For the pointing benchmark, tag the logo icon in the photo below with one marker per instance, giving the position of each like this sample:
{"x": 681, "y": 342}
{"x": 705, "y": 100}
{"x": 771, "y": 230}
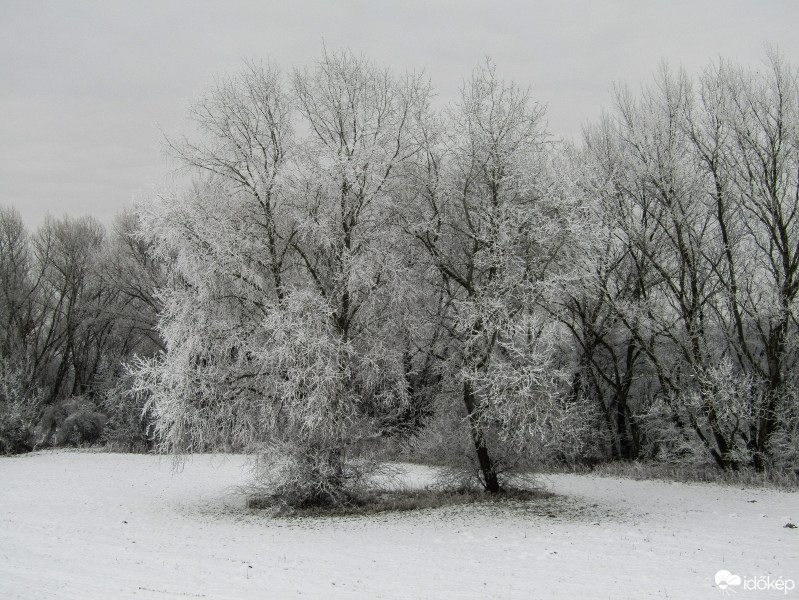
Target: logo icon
{"x": 725, "y": 579}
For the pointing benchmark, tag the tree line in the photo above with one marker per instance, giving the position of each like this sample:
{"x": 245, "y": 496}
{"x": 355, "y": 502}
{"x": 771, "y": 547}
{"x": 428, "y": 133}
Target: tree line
{"x": 354, "y": 265}
{"x": 76, "y": 304}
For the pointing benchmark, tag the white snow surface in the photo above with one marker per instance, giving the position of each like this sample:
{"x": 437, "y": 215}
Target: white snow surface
{"x": 89, "y": 525}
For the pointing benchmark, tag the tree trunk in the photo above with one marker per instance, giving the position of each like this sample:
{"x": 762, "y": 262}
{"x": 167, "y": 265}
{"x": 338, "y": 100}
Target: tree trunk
{"x": 775, "y": 351}
{"x": 490, "y": 479}
{"x": 624, "y": 447}
{"x": 625, "y": 427}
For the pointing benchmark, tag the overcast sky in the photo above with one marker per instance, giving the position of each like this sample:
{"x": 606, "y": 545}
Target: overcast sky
{"x": 86, "y": 87}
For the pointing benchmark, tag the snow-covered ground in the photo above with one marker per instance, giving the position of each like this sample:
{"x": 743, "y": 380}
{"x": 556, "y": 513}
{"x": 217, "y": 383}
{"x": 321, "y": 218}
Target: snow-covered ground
{"x": 89, "y": 525}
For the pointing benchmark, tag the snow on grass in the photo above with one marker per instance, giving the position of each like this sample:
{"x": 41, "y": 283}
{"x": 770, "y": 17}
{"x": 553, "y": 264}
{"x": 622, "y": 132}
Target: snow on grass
{"x": 88, "y": 525}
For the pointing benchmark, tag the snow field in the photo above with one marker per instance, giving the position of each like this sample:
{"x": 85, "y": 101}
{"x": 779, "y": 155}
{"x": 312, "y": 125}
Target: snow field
{"x": 88, "y": 525}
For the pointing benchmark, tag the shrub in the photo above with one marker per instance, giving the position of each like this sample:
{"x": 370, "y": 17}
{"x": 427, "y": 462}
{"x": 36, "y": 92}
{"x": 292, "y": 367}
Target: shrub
{"x": 298, "y": 476}
{"x": 16, "y": 432}
{"x": 84, "y": 426}
{"x": 18, "y": 410}
{"x": 784, "y": 442}
{"x": 72, "y": 422}
{"x": 129, "y": 425}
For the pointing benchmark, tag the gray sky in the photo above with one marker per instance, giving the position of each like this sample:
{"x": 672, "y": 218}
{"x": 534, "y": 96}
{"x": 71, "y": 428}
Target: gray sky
{"x": 86, "y": 87}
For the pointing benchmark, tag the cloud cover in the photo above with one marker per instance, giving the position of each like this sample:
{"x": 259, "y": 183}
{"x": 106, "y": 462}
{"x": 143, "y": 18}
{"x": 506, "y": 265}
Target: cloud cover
{"x": 88, "y": 86}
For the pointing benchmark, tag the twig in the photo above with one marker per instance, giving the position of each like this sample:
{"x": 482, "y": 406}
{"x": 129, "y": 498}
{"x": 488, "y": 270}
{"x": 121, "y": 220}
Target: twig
{"x": 173, "y": 593}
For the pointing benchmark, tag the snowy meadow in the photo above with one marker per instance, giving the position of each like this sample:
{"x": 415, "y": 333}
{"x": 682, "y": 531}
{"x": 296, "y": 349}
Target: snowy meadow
{"x": 90, "y": 525}
{"x": 357, "y": 276}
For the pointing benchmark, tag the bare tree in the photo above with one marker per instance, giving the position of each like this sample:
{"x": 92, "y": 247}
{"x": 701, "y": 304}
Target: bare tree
{"x": 609, "y": 365}
{"x": 495, "y": 227}
{"x": 75, "y": 324}
{"x": 747, "y": 138}
{"x": 667, "y": 223}
{"x": 17, "y": 284}
{"x": 245, "y": 137}
{"x": 700, "y": 194}
{"x": 134, "y": 273}
{"x": 280, "y": 314}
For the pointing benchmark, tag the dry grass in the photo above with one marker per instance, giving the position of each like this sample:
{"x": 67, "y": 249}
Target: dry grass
{"x": 704, "y": 473}
{"x": 460, "y": 490}
{"x": 380, "y": 501}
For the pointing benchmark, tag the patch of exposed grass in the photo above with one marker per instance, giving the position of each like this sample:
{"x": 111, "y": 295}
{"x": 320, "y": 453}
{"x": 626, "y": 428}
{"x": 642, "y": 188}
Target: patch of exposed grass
{"x": 702, "y": 473}
{"x": 381, "y": 501}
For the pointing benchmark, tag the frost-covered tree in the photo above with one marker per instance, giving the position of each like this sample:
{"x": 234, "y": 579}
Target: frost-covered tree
{"x": 608, "y": 356}
{"x": 135, "y": 276}
{"x": 497, "y": 228}
{"x": 17, "y": 285}
{"x": 287, "y": 293}
{"x": 76, "y": 303}
{"x": 665, "y": 224}
{"x": 243, "y": 138}
{"x": 746, "y": 135}
{"x": 698, "y": 191}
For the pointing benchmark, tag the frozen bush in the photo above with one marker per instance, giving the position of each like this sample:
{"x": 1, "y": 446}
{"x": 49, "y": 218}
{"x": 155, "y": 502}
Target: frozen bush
{"x": 18, "y": 410}
{"x": 72, "y": 422}
{"x": 129, "y": 425}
